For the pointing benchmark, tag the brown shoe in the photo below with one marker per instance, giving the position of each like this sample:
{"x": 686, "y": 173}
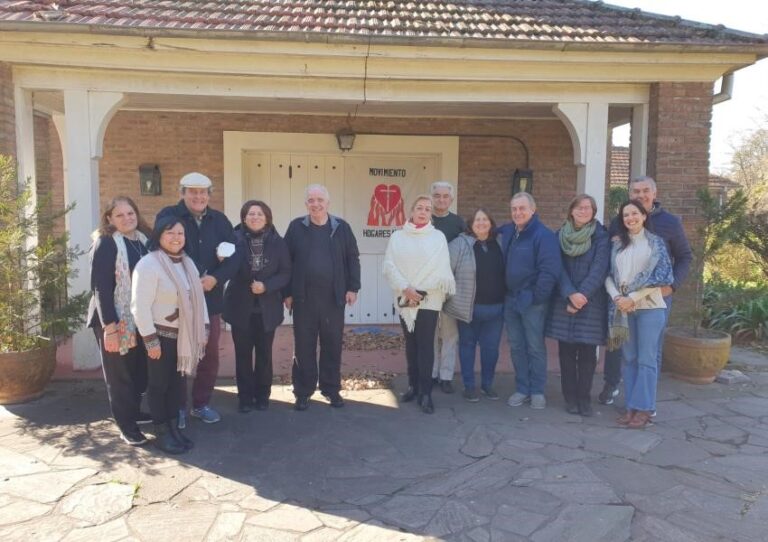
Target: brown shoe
{"x": 640, "y": 421}
{"x": 626, "y": 418}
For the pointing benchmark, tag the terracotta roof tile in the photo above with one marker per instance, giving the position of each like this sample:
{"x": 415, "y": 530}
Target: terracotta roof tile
{"x": 512, "y": 20}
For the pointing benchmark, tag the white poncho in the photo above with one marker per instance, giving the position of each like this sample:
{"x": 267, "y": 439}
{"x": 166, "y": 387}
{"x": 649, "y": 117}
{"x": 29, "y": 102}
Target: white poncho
{"x": 419, "y": 258}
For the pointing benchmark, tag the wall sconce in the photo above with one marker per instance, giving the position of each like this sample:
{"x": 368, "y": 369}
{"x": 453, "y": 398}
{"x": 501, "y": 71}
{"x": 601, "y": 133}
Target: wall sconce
{"x": 522, "y": 181}
{"x": 150, "y": 181}
{"x": 346, "y": 139}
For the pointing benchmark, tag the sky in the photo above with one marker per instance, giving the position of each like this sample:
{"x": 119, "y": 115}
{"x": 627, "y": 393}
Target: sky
{"x": 733, "y": 119}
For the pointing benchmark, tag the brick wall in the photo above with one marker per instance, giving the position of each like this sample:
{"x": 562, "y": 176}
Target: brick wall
{"x": 49, "y": 168}
{"x": 183, "y": 142}
{"x": 7, "y": 111}
{"x": 678, "y": 158}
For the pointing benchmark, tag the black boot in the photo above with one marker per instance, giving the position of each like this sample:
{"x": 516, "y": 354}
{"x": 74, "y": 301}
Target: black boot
{"x": 426, "y": 405}
{"x": 166, "y": 442}
{"x": 181, "y": 437}
{"x": 585, "y": 408}
{"x": 409, "y": 395}
{"x": 571, "y": 407}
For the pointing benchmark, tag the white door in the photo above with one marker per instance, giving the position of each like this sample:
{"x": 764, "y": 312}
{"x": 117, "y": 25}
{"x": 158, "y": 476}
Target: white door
{"x": 358, "y": 185}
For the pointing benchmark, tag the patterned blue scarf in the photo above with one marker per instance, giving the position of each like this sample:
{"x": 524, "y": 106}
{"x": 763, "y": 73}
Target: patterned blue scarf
{"x": 658, "y": 272}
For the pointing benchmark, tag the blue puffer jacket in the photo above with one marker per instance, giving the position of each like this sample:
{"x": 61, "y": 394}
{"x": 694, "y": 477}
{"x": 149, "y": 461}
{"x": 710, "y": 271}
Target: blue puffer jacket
{"x": 531, "y": 262}
{"x": 584, "y": 274}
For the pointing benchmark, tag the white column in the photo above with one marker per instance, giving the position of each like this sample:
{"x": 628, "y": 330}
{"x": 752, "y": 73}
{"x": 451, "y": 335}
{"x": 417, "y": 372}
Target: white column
{"x": 587, "y": 124}
{"x": 597, "y": 148}
{"x": 25, "y": 145}
{"x": 86, "y": 115}
{"x": 638, "y": 141}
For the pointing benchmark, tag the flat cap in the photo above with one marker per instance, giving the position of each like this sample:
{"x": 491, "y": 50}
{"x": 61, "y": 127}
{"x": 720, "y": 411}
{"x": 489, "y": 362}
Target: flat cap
{"x": 195, "y": 180}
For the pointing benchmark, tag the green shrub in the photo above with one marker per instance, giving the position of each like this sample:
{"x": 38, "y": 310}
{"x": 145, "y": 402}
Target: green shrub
{"x": 34, "y": 277}
{"x": 616, "y": 196}
{"x": 738, "y": 308}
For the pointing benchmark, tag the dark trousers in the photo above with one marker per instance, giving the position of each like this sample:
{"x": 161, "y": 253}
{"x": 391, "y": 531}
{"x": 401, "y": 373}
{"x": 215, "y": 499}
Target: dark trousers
{"x": 207, "y": 369}
{"x": 317, "y": 316}
{"x": 166, "y": 386}
{"x": 253, "y": 373}
{"x": 612, "y": 367}
{"x": 126, "y": 379}
{"x": 420, "y": 350}
{"x": 577, "y": 369}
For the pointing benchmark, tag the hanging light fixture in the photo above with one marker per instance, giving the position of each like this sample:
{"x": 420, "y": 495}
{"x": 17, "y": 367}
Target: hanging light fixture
{"x": 345, "y": 138}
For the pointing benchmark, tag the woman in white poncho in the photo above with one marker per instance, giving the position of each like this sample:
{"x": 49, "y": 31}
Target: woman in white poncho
{"x": 418, "y": 268}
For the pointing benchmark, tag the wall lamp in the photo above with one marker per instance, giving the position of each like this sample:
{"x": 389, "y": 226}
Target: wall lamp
{"x": 345, "y": 138}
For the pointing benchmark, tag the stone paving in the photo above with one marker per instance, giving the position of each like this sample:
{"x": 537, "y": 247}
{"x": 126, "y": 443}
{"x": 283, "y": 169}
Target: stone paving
{"x": 375, "y": 471}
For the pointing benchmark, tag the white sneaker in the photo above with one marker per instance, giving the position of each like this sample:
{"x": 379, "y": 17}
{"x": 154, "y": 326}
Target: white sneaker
{"x": 538, "y": 401}
{"x": 517, "y": 399}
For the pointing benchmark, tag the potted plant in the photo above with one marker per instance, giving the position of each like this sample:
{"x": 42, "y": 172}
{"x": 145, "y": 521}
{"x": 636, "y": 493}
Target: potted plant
{"x": 694, "y": 353}
{"x": 36, "y": 266}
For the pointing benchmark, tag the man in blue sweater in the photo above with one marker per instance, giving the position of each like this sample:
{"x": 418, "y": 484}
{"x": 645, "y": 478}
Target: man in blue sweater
{"x": 532, "y": 268}
{"x": 670, "y": 228}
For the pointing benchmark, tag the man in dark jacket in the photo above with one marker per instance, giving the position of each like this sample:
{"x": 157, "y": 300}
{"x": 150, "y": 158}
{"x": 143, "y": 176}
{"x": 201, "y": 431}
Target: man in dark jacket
{"x": 532, "y": 268}
{"x": 325, "y": 276}
{"x": 447, "y": 334}
{"x": 670, "y": 228}
{"x": 205, "y": 230}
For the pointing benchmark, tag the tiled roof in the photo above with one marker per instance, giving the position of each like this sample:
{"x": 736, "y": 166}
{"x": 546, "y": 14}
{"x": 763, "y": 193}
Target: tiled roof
{"x": 543, "y": 21}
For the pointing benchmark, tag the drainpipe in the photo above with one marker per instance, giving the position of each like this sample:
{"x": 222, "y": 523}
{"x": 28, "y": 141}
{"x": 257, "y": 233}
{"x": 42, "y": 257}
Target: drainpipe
{"x": 726, "y": 90}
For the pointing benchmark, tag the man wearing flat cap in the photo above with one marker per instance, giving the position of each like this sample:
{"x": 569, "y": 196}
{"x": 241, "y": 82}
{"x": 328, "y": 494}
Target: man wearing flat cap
{"x": 205, "y": 230}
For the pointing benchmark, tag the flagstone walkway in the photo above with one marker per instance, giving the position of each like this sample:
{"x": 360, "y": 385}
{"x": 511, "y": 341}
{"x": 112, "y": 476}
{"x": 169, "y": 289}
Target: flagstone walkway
{"x": 379, "y": 471}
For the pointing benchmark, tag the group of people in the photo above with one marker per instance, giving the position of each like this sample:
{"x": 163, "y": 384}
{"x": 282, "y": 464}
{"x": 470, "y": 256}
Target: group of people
{"x": 459, "y": 284}
{"x": 160, "y": 295}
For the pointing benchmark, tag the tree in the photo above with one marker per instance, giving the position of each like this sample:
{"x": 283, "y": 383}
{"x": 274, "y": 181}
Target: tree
{"x": 749, "y": 168}
{"x": 34, "y": 277}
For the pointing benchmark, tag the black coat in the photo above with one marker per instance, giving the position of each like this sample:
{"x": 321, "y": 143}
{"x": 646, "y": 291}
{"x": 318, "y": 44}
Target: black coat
{"x": 238, "y": 298}
{"x": 345, "y": 257}
{"x": 103, "y": 255}
{"x": 201, "y": 243}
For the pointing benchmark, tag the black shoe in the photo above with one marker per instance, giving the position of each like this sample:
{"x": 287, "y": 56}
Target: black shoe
{"x": 302, "y": 403}
{"x": 426, "y": 405}
{"x": 144, "y": 418}
{"x": 181, "y": 437}
{"x": 166, "y": 442}
{"x": 571, "y": 408}
{"x": 134, "y": 437}
{"x": 244, "y": 408}
{"x": 446, "y": 386}
{"x": 261, "y": 404}
{"x": 608, "y": 394}
{"x": 585, "y": 409}
{"x": 335, "y": 399}
{"x": 408, "y": 396}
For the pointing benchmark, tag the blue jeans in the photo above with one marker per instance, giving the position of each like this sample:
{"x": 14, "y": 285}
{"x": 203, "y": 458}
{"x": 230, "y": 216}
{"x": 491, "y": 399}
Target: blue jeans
{"x": 641, "y": 352}
{"x": 485, "y": 329}
{"x": 525, "y": 330}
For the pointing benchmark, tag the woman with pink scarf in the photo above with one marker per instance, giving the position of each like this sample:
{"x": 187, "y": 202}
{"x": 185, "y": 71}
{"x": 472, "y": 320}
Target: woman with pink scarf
{"x": 169, "y": 308}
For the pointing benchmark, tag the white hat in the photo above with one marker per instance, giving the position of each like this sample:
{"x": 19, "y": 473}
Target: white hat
{"x": 195, "y": 180}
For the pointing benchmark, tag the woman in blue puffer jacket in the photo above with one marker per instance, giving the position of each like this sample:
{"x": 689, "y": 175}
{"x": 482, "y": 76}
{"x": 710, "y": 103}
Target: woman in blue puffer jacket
{"x": 578, "y": 316}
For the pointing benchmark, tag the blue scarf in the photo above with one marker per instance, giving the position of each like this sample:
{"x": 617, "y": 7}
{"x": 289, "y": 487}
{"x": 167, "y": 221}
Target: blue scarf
{"x": 657, "y": 272}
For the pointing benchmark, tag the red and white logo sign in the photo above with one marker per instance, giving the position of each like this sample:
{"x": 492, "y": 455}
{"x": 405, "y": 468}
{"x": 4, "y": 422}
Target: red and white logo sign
{"x": 386, "y": 206}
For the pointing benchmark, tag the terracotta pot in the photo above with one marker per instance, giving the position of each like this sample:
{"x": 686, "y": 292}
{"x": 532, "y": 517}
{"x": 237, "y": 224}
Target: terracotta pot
{"x": 695, "y": 359}
{"x": 24, "y": 375}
